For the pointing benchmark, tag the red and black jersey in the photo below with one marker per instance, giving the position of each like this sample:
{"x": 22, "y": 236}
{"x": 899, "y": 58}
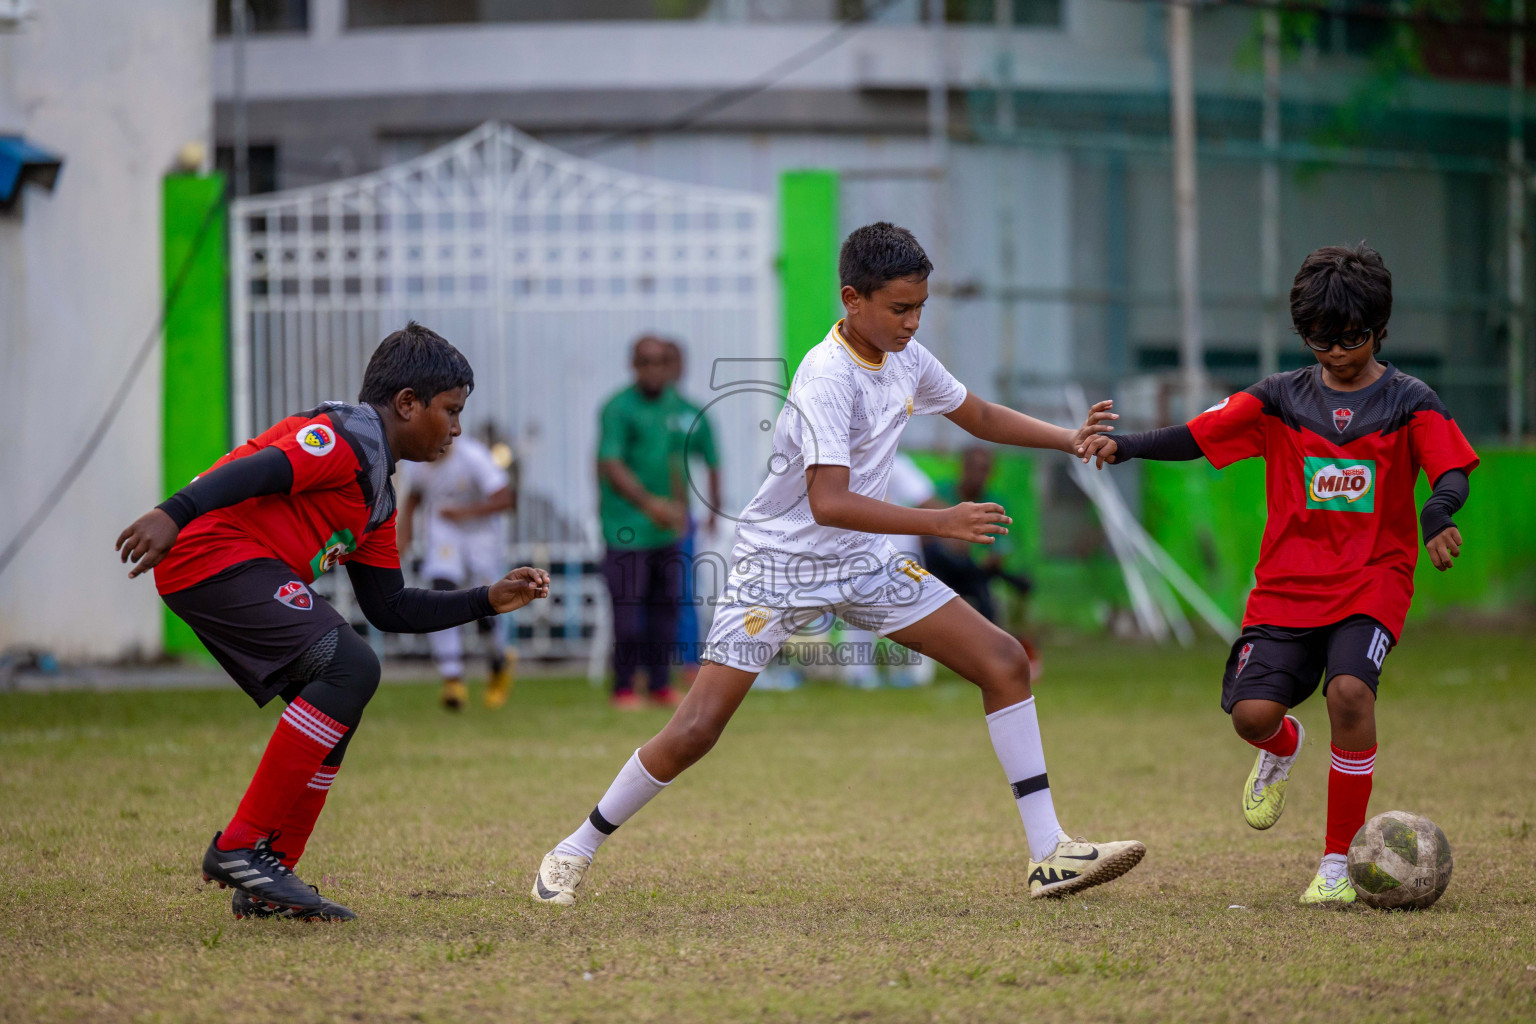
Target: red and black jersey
{"x": 341, "y": 506}
{"x": 1342, "y": 536}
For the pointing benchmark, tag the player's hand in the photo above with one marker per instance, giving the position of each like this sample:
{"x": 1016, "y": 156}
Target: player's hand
{"x": 1101, "y": 447}
{"x": 517, "y": 588}
{"x": 1100, "y": 421}
{"x": 1444, "y": 547}
{"x": 147, "y": 541}
{"x": 974, "y": 522}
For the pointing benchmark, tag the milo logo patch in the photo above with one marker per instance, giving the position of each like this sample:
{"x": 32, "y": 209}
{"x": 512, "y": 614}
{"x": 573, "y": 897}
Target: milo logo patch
{"x": 1342, "y": 484}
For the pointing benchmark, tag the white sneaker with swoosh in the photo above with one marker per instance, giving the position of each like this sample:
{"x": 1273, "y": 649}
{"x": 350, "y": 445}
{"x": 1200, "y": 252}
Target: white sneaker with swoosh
{"x": 1077, "y": 864}
{"x": 559, "y": 877}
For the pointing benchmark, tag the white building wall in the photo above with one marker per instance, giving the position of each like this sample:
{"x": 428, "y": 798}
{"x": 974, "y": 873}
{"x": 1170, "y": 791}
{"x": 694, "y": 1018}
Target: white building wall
{"x": 116, "y": 89}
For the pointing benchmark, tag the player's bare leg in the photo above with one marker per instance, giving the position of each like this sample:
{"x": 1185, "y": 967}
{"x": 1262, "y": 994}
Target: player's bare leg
{"x": 690, "y": 733}
{"x": 960, "y": 638}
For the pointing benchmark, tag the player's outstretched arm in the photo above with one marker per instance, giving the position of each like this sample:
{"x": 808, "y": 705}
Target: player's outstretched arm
{"x": 153, "y": 534}
{"x": 391, "y": 606}
{"x": 1166, "y": 444}
{"x": 833, "y": 504}
{"x": 1002, "y": 425}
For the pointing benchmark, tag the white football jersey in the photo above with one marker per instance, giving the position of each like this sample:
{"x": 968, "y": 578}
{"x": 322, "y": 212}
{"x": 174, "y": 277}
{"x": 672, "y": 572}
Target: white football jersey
{"x": 845, "y": 411}
{"x": 466, "y": 475}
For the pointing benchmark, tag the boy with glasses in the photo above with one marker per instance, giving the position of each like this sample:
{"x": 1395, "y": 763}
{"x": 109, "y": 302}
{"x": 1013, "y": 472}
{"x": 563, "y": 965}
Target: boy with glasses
{"x": 1344, "y": 441}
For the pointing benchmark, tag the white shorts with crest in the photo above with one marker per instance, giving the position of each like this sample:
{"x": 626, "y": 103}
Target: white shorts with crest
{"x": 767, "y": 601}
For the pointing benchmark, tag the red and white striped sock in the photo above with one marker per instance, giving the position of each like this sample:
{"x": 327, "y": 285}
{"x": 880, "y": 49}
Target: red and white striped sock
{"x": 300, "y": 820}
{"x": 1349, "y": 791}
{"x": 304, "y": 737}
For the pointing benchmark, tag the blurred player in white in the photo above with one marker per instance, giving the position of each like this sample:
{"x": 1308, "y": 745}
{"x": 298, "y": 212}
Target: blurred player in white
{"x": 909, "y": 487}
{"x": 462, "y": 498}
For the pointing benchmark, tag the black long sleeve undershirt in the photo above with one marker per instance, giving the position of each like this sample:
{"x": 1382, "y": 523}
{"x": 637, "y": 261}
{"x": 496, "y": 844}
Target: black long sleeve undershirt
{"x": 391, "y": 606}
{"x": 1449, "y": 495}
{"x": 265, "y": 472}
{"x": 1166, "y": 444}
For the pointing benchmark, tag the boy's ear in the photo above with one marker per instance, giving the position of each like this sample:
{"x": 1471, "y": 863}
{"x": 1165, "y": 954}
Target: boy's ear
{"x": 405, "y": 402}
{"x": 851, "y": 298}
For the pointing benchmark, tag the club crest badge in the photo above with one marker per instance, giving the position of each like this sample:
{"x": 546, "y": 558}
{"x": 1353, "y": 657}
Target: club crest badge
{"x": 1341, "y": 418}
{"x": 756, "y": 619}
{"x": 295, "y": 595}
{"x": 316, "y": 438}
{"x": 1242, "y": 659}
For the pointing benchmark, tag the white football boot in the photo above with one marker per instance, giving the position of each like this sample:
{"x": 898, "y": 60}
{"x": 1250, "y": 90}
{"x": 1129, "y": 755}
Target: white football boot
{"x": 559, "y": 877}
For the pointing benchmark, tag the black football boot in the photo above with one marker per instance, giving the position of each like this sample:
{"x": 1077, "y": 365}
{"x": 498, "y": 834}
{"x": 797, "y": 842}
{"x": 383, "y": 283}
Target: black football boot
{"x": 259, "y": 872}
{"x": 243, "y": 907}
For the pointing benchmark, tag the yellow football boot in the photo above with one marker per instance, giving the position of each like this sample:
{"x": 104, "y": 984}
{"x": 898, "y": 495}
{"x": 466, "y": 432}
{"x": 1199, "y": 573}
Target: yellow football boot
{"x": 499, "y": 686}
{"x": 1077, "y": 864}
{"x": 455, "y": 694}
{"x": 1264, "y": 792}
{"x": 1331, "y": 886}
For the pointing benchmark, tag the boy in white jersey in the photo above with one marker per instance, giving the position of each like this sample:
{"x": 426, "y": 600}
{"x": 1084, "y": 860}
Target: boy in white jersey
{"x": 462, "y": 496}
{"x": 814, "y": 543}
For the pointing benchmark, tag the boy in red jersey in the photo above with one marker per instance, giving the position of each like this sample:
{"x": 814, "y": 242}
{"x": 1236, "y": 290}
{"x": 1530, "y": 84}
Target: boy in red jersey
{"x": 1344, "y": 442}
{"x": 234, "y": 553}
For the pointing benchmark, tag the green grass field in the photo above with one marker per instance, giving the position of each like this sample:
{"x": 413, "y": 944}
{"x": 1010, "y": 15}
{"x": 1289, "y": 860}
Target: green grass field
{"x": 840, "y": 856}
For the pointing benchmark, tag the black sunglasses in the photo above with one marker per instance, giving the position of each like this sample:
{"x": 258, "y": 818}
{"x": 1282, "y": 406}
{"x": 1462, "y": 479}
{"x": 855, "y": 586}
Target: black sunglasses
{"x": 1348, "y": 341}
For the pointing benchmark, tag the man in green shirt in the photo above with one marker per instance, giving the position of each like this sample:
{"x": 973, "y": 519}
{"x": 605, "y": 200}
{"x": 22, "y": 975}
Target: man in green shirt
{"x": 643, "y": 507}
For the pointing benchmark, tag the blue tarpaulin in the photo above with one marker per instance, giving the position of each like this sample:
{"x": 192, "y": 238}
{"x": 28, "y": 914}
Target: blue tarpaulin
{"x": 22, "y": 162}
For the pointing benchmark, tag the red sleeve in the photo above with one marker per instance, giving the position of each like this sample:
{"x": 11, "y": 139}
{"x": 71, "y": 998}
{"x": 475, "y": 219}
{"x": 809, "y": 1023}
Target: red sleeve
{"x": 321, "y": 459}
{"x": 1438, "y": 443}
{"x": 379, "y": 548}
{"x": 1231, "y": 430}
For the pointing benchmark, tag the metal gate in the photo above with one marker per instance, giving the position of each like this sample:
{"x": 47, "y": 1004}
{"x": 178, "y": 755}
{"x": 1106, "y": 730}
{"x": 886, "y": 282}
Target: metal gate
{"x": 542, "y": 268}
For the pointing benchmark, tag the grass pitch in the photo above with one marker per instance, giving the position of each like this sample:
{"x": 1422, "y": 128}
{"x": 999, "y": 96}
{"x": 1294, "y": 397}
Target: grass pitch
{"x": 840, "y": 856}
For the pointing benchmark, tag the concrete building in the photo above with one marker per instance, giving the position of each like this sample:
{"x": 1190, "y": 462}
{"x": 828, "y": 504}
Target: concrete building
{"x": 115, "y": 90}
{"x": 1052, "y": 221}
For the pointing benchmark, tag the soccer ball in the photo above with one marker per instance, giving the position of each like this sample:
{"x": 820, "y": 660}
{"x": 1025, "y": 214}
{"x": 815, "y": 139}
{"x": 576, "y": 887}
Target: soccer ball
{"x": 1399, "y": 861}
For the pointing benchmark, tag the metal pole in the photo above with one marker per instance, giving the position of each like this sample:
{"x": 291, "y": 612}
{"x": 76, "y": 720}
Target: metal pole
{"x": 1007, "y": 264}
{"x": 1186, "y": 208}
{"x": 1004, "y": 23}
{"x": 238, "y": 27}
{"x": 938, "y": 88}
{"x": 1515, "y": 230}
{"x": 1269, "y": 202}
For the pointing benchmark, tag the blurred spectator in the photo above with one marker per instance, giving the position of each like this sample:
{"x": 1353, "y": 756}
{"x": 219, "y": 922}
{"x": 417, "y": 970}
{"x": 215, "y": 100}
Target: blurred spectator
{"x": 969, "y": 569}
{"x": 462, "y": 496}
{"x": 699, "y": 443}
{"x": 643, "y": 507}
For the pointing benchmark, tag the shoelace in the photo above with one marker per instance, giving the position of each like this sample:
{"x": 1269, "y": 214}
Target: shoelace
{"x": 1272, "y": 770}
{"x": 271, "y": 860}
{"x": 1332, "y": 871}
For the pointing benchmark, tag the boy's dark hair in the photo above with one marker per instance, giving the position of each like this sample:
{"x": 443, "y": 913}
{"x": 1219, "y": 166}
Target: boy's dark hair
{"x": 1341, "y": 288}
{"x": 879, "y": 253}
{"x": 415, "y": 358}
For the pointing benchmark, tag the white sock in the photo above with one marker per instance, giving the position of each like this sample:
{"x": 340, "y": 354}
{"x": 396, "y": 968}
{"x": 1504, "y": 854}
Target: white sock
{"x": 1016, "y": 738}
{"x": 631, "y": 790}
{"x": 1334, "y": 866}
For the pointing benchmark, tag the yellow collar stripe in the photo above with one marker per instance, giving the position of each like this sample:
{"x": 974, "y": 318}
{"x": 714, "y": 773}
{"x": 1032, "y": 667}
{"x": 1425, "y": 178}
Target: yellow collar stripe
{"x": 837, "y": 332}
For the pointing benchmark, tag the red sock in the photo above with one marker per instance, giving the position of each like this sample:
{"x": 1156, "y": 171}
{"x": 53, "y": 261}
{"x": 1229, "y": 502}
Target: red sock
{"x": 1283, "y": 742}
{"x": 1349, "y": 791}
{"x": 300, "y": 820}
{"x": 302, "y": 740}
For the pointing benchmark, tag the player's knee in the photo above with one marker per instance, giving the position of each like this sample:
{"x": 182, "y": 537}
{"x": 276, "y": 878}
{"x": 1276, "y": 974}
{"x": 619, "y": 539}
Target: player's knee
{"x": 355, "y": 669}
{"x": 1256, "y": 721}
{"x": 1350, "y": 700}
{"x": 1006, "y": 662}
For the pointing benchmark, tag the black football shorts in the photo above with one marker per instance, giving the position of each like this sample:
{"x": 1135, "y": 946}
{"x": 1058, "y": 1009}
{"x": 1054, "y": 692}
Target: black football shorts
{"x": 1285, "y": 664}
{"x": 255, "y": 618}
